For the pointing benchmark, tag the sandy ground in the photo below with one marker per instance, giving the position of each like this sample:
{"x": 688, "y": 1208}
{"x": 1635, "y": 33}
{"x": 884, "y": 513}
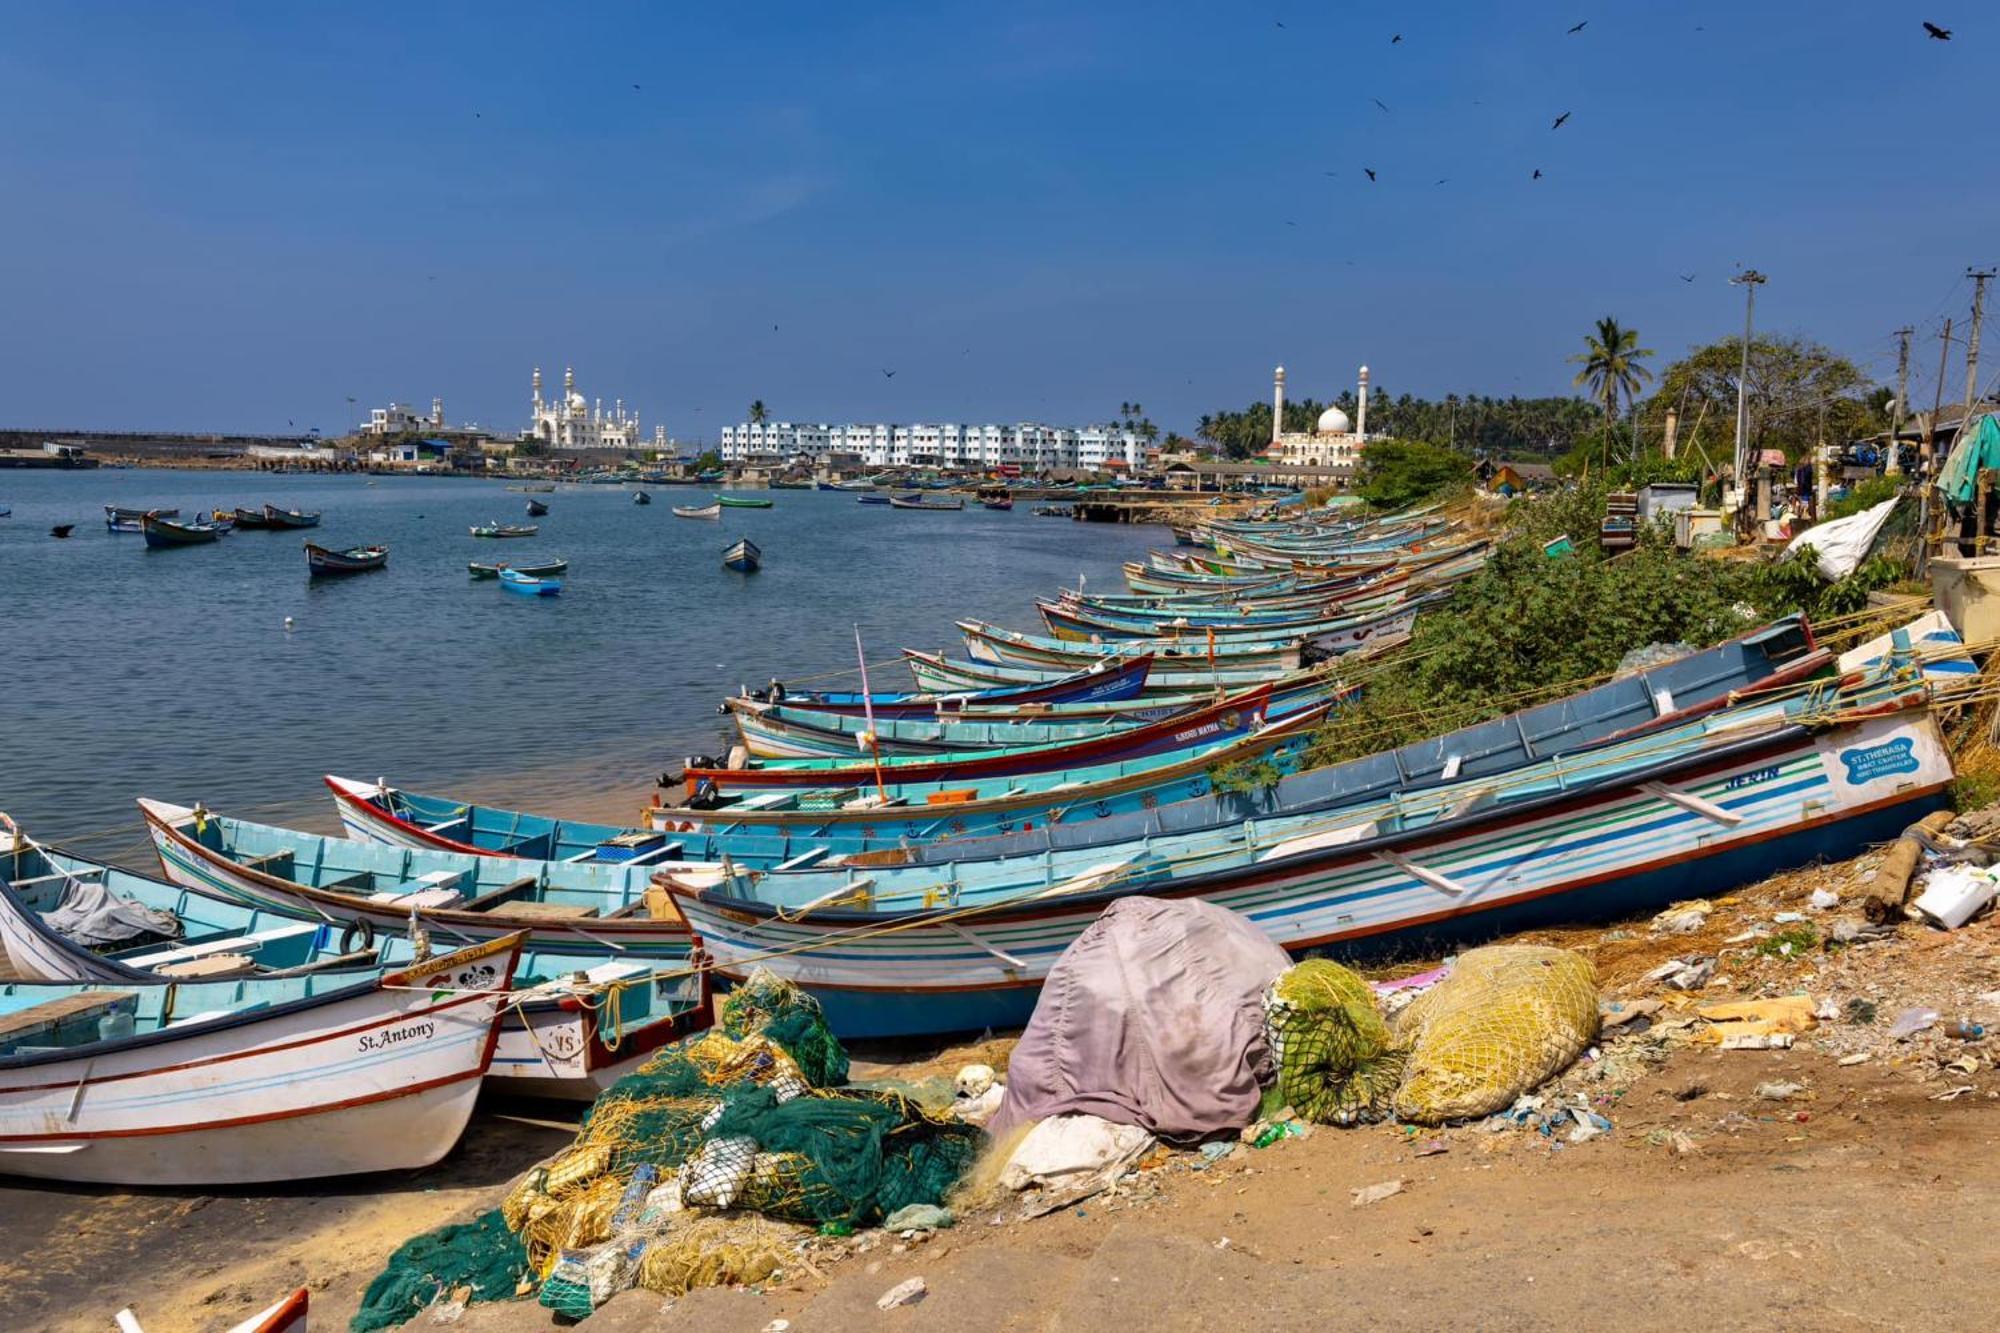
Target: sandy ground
{"x": 1861, "y": 1199}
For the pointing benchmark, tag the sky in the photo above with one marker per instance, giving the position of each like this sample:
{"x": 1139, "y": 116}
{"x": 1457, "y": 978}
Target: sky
{"x": 258, "y": 216}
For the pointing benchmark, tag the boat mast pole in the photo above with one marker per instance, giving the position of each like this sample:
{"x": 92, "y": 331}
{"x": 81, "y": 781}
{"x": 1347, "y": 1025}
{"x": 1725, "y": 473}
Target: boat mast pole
{"x": 868, "y": 710}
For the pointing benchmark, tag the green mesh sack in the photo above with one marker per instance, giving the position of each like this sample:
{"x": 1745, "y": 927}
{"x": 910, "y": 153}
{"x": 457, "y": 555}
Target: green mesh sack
{"x": 481, "y": 1254}
{"x": 1337, "y": 1064}
{"x": 768, "y": 1006}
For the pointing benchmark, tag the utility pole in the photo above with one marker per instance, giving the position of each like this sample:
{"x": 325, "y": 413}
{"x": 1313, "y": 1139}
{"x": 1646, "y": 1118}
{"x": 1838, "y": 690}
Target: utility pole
{"x": 1749, "y": 280}
{"x": 1979, "y": 277}
{"x": 1902, "y": 337}
{"x": 1924, "y": 469}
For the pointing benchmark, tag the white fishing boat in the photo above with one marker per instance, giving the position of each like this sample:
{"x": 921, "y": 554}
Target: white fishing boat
{"x": 233, "y": 1082}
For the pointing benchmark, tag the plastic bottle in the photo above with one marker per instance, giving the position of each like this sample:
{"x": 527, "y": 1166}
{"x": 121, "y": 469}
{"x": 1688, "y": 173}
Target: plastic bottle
{"x": 115, "y": 1026}
{"x": 1964, "y": 1029}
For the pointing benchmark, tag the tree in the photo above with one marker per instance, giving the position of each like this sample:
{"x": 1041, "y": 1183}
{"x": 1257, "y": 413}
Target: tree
{"x": 1398, "y": 473}
{"x": 1611, "y": 369}
{"x": 1799, "y": 393}
{"x": 758, "y": 414}
{"x": 709, "y": 461}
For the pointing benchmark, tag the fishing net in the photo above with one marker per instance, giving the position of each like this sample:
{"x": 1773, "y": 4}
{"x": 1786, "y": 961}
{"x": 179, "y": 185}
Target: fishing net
{"x": 1337, "y": 1063}
{"x": 483, "y": 1255}
{"x": 766, "y": 1005}
{"x": 1506, "y": 1019}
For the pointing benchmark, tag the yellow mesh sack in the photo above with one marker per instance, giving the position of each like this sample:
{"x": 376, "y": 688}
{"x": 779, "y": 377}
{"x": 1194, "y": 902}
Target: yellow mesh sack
{"x": 1334, "y": 1055}
{"x": 1505, "y": 1020}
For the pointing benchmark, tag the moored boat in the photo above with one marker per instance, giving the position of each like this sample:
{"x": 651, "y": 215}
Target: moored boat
{"x": 702, "y": 511}
{"x": 952, "y": 505}
{"x": 641, "y": 498}
{"x": 742, "y": 502}
{"x": 743, "y": 556}
{"x": 540, "y": 569}
{"x": 528, "y": 585}
{"x": 537, "y": 508}
{"x": 497, "y": 529}
{"x": 163, "y": 532}
{"x": 275, "y": 517}
{"x": 249, "y": 520}
{"x": 62, "y": 530}
{"x": 131, "y": 520}
{"x": 326, "y": 561}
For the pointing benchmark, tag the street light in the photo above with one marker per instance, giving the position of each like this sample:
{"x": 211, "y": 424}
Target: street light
{"x": 1749, "y": 280}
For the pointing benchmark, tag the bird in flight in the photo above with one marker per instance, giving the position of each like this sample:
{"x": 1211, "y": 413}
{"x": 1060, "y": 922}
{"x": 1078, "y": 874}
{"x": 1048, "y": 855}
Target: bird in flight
{"x": 1397, "y": 38}
{"x": 1379, "y": 102}
{"x": 1537, "y": 175}
{"x": 888, "y": 374}
{"x": 1279, "y": 24}
{"x": 1329, "y": 173}
{"x": 635, "y": 87}
{"x": 1581, "y": 26}
{"x": 1370, "y": 171}
{"x": 1443, "y": 179}
{"x": 1290, "y": 223}
{"x": 1937, "y": 34}
{"x": 1559, "y": 121}
{"x": 1687, "y": 277}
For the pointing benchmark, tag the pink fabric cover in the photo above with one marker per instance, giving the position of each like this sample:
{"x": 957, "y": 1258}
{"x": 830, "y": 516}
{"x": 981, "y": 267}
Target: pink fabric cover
{"x": 1152, "y": 1017}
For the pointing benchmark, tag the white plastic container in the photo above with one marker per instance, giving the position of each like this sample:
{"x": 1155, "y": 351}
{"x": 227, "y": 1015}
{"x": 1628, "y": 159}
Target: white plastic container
{"x": 1953, "y": 895}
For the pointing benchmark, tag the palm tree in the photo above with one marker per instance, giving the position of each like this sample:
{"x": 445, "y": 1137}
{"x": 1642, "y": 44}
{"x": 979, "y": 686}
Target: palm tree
{"x": 1610, "y": 360}
{"x": 758, "y": 414}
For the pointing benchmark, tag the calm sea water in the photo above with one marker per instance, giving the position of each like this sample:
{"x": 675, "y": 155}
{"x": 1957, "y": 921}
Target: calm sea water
{"x": 171, "y": 673}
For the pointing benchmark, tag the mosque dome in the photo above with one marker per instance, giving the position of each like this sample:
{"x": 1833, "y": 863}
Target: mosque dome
{"x": 1333, "y": 421}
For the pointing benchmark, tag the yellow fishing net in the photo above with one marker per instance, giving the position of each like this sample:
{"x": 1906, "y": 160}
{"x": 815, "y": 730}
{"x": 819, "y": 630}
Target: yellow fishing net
{"x": 1336, "y": 1059}
{"x": 1507, "y": 1018}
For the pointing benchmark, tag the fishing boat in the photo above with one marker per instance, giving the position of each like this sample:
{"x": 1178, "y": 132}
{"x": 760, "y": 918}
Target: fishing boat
{"x": 537, "y": 508}
{"x": 378, "y": 888}
{"x": 6, "y": 512}
{"x": 248, "y": 520}
{"x": 791, "y": 485}
{"x": 743, "y": 556}
{"x": 528, "y": 585}
{"x": 742, "y": 502}
{"x": 1124, "y": 678}
{"x": 66, "y": 917}
{"x": 641, "y": 498}
{"x": 499, "y": 529}
{"x": 62, "y": 530}
{"x": 535, "y": 488}
{"x": 239, "y": 1081}
{"x": 872, "y": 498}
{"x": 1616, "y": 833}
{"x": 323, "y": 561}
{"x": 703, "y": 511}
{"x": 952, "y": 505}
{"x": 132, "y": 520}
{"x": 166, "y": 532}
{"x": 275, "y": 517}
{"x": 540, "y": 569}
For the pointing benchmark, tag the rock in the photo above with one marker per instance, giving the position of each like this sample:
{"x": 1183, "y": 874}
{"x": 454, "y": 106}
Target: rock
{"x": 903, "y": 1293}
{"x": 1376, "y": 1193}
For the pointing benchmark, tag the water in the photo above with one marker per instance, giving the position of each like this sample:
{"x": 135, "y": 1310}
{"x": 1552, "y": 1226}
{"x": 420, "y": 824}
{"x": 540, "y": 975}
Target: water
{"x": 171, "y": 673}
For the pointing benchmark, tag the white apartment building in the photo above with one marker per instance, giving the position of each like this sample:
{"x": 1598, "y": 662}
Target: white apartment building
{"x": 1029, "y": 445}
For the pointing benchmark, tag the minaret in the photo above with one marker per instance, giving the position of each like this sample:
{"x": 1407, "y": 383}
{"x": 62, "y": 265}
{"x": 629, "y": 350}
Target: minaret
{"x": 569, "y": 381}
{"x": 1278, "y": 406}
{"x": 538, "y": 390}
{"x": 437, "y": 412}
{"x": 1361, "y": 409}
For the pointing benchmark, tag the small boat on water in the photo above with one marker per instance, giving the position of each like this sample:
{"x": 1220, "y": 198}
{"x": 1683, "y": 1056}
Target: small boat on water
{"x": 952, "y": 505}
{"x": 323, "y": 561}
{"x": 245, "y": 519}
{"x": 499, "y": 529}
{"x": 164, "y": 532}
{"x": 743, "y": 556}
{"x": 871, "y": 498}
{"x": 537, "y": 508}
{"x": 641, "y": 498}
{"x": 132, "y": 520}
{"x": 742, "y": 502}
{"x": 704, "y": 511}
{"x": 999, "y": 502}
{"x": 62, "y": 529}
{"x": 513, "y": 580}
{"x": 540, "y": 569}
{"x": 275, "y": 517}
{"x": 791, "y": 485}
{"x": 535, "y": 488}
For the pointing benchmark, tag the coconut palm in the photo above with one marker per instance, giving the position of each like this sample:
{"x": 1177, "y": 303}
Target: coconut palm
{"x": 1611, "y": 369}
{"x": 758, "y": 414}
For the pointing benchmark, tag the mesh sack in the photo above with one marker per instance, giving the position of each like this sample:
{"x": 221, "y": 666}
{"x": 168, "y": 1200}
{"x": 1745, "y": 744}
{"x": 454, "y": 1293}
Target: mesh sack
{"x": 1336, "y": 1061}
{"x": 1505, "y": 1020}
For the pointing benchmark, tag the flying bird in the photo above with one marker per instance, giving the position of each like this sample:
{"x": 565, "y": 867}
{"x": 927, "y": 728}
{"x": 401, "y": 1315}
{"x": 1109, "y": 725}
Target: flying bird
{"x": 1379, "y": 102}
{"x": 1581, "y": 26}
{"x": 1538, "y": 174}
{"x": 1687, "y": 277}
{"x": 635, "y": 87}
{"x": 1397, "y": 38}
{"x": 1329, "y": 173}
{"x": 1370, "y": 171}
{"x": 1290, "y": 223}
{"x": 888, "y": 374}
{"x": 1443, "y": 179}
{"x": 1276, "y": 21}
{"x": 1937, "y": 34}
{"x": 1559, "y": 121}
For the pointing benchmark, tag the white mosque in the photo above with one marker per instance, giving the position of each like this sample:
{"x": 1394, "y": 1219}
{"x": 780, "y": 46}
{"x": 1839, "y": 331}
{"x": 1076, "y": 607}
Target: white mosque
{"x": 1334, "y": 442}
{"x": 571, "y": 422}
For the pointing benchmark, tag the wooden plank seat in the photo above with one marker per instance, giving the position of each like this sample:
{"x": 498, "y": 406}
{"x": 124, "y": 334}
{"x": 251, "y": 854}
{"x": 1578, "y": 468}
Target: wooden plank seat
{"x": 548, "y": 911}
{"x": 42, "y": 1020}
{"x": 250, "y": 943}
{"x": 495, "y": 897}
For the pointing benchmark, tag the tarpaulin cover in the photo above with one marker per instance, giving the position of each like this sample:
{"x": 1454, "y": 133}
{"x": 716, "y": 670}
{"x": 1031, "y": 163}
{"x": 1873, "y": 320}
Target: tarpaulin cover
{"x": 1844, "y": 543}
{"x": 1979, "y": 448}
{"x": 1152, "y": 1017}
{"x": 97, "y": 918}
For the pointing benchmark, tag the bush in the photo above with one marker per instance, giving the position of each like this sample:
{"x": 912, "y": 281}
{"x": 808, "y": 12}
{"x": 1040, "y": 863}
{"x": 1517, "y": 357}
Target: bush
{"x": 1396, "y": 474}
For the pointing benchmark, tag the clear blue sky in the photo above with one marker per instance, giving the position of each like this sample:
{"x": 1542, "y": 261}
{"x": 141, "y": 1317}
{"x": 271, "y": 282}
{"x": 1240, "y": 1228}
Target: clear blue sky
{"x": 229, "y": 217}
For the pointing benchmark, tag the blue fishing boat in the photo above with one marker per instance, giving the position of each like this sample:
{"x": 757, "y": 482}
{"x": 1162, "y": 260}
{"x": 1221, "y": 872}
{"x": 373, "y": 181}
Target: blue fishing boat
{"x": 132, "y": 520}
{"x": 743, "y": 556}
{"x": 166, "y": 533}
{"x": 528, "y": 585}
{"x": 1124, "y": 678}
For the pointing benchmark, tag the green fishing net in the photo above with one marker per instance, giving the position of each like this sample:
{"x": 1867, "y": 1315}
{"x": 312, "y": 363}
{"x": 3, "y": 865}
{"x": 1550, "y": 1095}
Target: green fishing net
{"x": 769, "y": 1007}
{"x": 1337, "y": 1063}
{"x": 482, "y": 1254}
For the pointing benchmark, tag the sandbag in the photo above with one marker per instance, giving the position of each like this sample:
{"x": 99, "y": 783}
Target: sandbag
{"x": 1153, "y": 1016}
{"x": 1506, "y": 1019}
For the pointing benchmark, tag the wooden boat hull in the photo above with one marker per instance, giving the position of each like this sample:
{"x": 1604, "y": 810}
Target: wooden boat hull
{"x": 546, "y": 569}
{"x": 323, "y": 562}
{"x": 705, "y": 511}
{"x": 741, "y": 502}
{"x": 1610, "y": 852}
{"x": 1101, "y": 683}
{"x": 251, "y": 520}
{"x": 503, "y": 532}
{"x": 939, "y": 506}
{"x": 743, "y": 557}
{"x": 275, "y": 517}
{"x": 164, "y": 533}
{"x": 378, "y": 1075}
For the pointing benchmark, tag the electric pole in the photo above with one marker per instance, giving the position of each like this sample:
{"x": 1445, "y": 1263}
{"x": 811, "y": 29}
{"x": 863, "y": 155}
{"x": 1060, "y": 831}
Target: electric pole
{"x": 1937, "y": 403}
{"x": 1902, "y": 337}
{"x": 1749, "y": 280}
{"x": 1979, "y": 277}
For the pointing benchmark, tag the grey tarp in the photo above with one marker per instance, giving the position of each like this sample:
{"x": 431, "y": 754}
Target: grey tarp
{"x": 1153, "y": 1016}
{"x": 97, "y": 918}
